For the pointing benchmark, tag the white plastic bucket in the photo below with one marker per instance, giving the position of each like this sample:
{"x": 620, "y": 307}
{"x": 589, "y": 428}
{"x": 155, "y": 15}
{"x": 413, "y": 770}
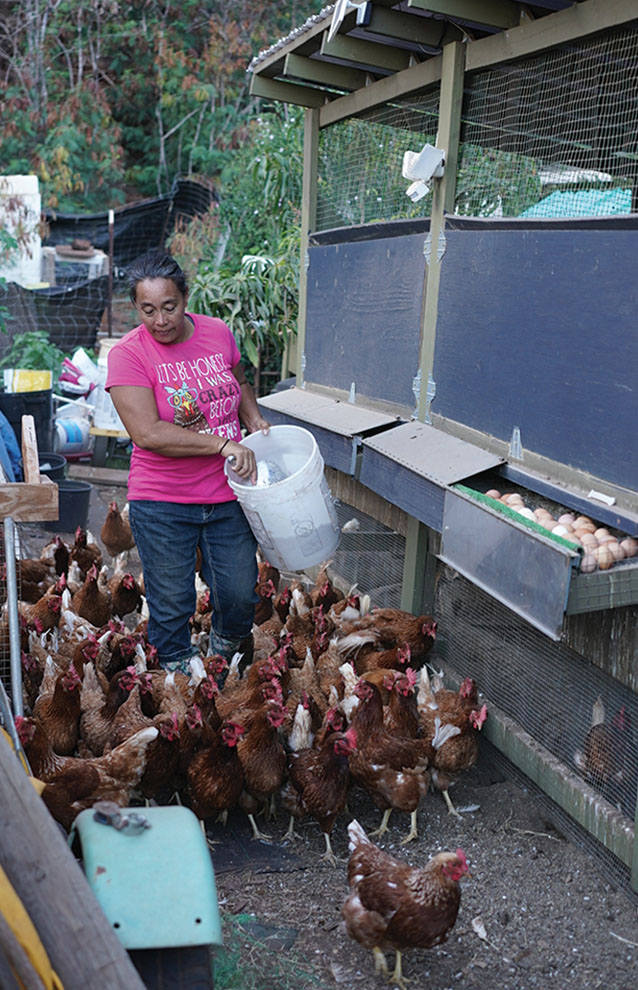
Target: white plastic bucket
{"x": 72, "y": 436}
{"x": 294, "y": 520}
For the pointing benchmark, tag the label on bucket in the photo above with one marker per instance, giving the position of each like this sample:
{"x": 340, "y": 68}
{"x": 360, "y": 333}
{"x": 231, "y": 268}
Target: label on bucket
{"x": 259, "y": 530}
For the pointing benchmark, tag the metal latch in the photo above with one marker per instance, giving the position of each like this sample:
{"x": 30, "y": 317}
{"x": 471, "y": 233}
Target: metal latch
{"x": 109, "y": 813}
{"x": 441, "y": 245}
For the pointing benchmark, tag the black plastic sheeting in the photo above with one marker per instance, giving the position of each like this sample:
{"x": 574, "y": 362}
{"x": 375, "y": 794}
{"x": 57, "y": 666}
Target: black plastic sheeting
{"x": 138, "y": 227}
{"x": 70, "y": 314}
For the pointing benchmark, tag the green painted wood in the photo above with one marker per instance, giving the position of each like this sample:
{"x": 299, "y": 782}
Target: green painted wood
{"x": 419, "y": 569}
{"x": 443, "y": 192}
{"x": 567, "y": 25}
{"x": 366, "y": 53}
{"x": 273, "y": 89}
{"x": 494, "y": 13}
{"x": 415, "y": 79}
{"x": 404, "y": 27}
{"x": 326, "y": 73}
{"x": 308, "y": 222}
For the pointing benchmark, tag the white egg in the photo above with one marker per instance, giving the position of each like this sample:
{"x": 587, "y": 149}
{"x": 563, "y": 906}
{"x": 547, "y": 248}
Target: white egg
{"x": 559, "y": 530}
{"x": 526, "y": 513}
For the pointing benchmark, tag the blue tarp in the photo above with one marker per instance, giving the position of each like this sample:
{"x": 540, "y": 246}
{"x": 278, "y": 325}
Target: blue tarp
{"x": 582, "y": 203}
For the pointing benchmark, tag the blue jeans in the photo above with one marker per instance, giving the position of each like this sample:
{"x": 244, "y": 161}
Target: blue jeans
{"x": 167, "y": 535}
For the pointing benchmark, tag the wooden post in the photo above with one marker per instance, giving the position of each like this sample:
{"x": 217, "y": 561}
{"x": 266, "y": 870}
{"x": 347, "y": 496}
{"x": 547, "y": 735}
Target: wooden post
{"x": 419, "y": 569}
{"x": 110, "y": 305}
{"x": 83, "y": 948}
{"x": 308, "y": 220}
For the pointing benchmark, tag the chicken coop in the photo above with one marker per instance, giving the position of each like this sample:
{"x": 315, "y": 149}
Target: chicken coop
{"x": 467, "y": 359}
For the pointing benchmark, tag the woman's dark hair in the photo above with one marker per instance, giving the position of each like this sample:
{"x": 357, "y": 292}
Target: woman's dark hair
{"x": 155, "y": 264}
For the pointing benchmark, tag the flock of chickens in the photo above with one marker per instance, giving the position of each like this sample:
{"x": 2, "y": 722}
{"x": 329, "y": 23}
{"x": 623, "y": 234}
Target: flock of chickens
{"x": 330, "y": 696}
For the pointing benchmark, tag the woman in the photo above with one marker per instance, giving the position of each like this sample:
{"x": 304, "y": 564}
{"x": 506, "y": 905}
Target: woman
{"x": 179, "y": 388}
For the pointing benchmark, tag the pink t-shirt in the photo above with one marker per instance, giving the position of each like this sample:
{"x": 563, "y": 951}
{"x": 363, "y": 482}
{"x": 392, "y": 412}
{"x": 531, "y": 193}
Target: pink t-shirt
{"x": 194, "y": 388}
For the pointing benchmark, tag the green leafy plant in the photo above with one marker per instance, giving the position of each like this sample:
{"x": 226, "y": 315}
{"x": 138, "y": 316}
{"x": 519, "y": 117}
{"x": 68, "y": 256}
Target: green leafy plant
{"x": 33, "y": 350}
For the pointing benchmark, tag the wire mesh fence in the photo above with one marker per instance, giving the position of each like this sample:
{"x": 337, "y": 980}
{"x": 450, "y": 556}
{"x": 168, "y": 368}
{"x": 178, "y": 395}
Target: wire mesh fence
{"x": 584, "y": 717}
{"x": 360, "y": 162}
{"x": 553, "y": 135}
{"x": 369, "y": 555}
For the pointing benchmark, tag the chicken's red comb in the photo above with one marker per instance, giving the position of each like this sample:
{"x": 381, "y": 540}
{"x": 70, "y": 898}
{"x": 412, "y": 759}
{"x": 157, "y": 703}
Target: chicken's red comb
{"x": 462, "y": 858}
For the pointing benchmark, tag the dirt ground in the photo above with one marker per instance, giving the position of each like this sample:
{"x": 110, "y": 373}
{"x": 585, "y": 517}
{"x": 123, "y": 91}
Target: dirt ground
{"x": 550, "y": 918}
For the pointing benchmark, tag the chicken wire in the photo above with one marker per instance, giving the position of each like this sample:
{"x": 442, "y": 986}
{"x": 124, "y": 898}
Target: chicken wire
{"x": 553, "y": 135}
{"x": 360, "y": 163}
{"x": 545, "y": 687}
{"x": 369, "y": 555}
{"x": 5, "y": 648}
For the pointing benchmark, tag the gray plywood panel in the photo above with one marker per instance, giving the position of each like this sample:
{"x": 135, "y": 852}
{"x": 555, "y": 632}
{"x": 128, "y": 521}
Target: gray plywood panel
{"x": 345, "y": 418}
{"x": 537, "y": 330}
{"x": 431, "y": 453}
{"x": 409, "y": 491}
{"x": 363, "y": 317}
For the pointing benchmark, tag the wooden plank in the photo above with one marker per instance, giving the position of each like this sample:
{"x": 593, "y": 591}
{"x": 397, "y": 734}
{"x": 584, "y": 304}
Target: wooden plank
{"x": 82, "y": 947}
{"x": 29, "y": 502}
{"x": 366, "y": 53}
{"x": 494, "y": 13}
{"x": 272, "y": 89}
{"x": 405, "y": 27}
{"x": 448, "y": 137}
{"x": 99, "y": 475}
{"x": 576, "y": 21}
{"x": 328, "y": 73}
{"x": 308, "y": 222}
{"x": 416, "y": 78}
{"x": 419, "y": 569}
{"x": 95, "y": 431}
{"x": 30, "y": 463}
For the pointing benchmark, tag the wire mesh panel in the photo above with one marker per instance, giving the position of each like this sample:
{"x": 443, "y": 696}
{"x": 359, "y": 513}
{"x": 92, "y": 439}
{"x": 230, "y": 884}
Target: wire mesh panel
{"x": 360, "y": 163}
{"x": 555, "y": 134}
{"x": 551, "y": 691}
{"x": 369, "y": 555}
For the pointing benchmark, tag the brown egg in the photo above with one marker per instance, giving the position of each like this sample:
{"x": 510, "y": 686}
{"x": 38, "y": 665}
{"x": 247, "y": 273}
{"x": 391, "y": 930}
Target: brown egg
{"x": 493, "y": 493}
{"x": 587, "y": 527}
{"x": 568, "y": 526}
{"x": 583, "y": 519}
{"x": 605, "y": 539}
{"x": 630, "y": 546}
{"x": 588, "y": 563}
{"x": 599, "y": 533}
{"x": 572, "y": 538}
{"x": 604, "y": 557}
{"x": 616, "y": 549}
{"x": 587, "y": 539}
{"x": 567, "y": 517}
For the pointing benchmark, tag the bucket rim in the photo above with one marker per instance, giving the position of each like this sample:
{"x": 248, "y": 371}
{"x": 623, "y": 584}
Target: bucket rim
{"x": 284, "y": 481}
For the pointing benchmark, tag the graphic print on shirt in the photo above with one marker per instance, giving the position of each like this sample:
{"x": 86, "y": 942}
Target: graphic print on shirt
{"x": 204, "y": 397}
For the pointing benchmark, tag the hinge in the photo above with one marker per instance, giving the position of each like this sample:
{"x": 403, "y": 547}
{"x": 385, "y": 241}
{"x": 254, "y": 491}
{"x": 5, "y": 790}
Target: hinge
{"x": 441, "y": 245}
{"x": 416, "y": 390}
{"x": 306, "y": 260}
{"x": 302, "y": 384}
{"x": 352, "y": 396}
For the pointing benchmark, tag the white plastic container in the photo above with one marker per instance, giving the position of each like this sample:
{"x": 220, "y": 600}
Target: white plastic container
{"x": 72, "y": 435}
{"x": 294, "y": 520}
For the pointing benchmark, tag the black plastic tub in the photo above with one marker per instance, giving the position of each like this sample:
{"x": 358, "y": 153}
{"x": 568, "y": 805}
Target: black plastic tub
{"x": 74, "y": 498}
{"x": 53, "y": 465}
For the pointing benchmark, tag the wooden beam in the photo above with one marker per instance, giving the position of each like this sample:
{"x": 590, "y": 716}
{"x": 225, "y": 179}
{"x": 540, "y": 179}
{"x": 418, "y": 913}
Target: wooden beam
{"x": 30, "y": 503}
{"x": 272, "y": 89}
{"x": 416, "y": 78}
{"x": 30, "y": 462}
{"x": 406, "y": 27}
{"x": 366, "y": 53}
{"x": 308, "y": 221}
{"x": 83, "y": 948}
{"x": 571, "y": 24}
{"x": 419, "y": 568}
{"x": 442, "y": 199}
{"x": 325, "y": 73}
{"x": 493, "y": 13}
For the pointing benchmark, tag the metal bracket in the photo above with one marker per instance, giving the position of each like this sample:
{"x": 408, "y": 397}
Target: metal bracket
{"x": 306, "y": 260}
{"x": 302, "y": 384}
{"x": 352, "y": 396}
{"x": 441, "y": 245}
{"x": 416, "y": 391}
{"x": 515, "y": 448}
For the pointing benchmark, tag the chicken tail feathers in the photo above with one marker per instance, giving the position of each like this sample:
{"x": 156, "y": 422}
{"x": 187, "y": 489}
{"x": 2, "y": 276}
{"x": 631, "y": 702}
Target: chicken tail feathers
{"x": 356, "y": 835}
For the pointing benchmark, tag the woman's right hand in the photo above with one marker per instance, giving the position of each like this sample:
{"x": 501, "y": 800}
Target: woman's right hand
{"x": 244, "y": 463}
